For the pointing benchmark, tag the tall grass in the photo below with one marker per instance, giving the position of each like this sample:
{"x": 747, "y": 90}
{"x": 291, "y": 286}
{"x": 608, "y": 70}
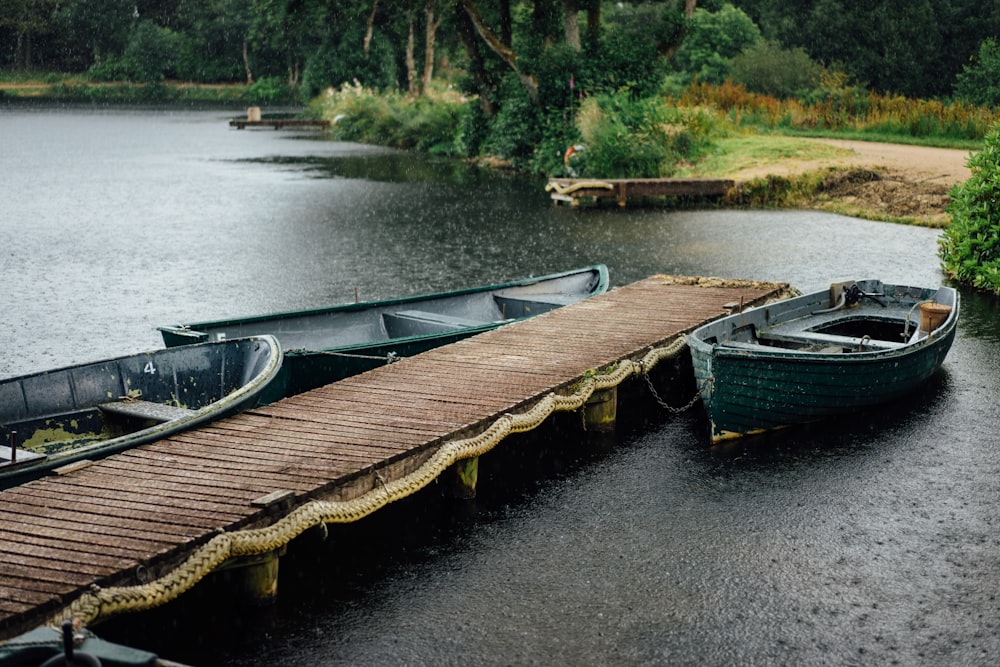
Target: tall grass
{"x": 845, "y": 109}
{"x": 427, "y": 123}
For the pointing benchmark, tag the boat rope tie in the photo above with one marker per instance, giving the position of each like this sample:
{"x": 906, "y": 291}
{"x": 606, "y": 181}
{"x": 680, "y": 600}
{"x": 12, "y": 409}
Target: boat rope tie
{"x": 387, "y": 358}
{"x": 99, "y": 603}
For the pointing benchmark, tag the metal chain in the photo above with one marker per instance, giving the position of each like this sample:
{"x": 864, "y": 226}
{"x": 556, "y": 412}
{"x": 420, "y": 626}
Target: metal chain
{"x": 669, "y": 408}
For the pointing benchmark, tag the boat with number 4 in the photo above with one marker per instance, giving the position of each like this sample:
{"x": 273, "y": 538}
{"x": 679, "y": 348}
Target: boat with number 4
{"x": 836, "y": 351}
{"x": 88, "y": 411}
{"x": 329, "y": 344}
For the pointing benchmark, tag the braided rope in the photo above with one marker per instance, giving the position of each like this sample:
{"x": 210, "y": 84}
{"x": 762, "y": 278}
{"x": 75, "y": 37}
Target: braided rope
{"x": 98, "y": 603}
{"x": 560, "y": 189}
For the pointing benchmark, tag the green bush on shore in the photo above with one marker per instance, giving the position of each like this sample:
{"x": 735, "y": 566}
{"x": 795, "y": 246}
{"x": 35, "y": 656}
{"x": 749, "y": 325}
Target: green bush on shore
{"x": 970, "y": 246}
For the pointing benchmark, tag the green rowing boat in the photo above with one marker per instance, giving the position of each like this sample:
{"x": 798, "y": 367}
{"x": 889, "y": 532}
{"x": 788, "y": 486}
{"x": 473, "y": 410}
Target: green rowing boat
{"x": 329, "y": 344}
{"x": 832, "y": 352}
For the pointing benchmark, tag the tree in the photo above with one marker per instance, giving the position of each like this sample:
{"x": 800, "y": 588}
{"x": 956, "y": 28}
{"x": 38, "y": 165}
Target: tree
{"x": 26, "y": 19}
{"x": 979, "y": 81}
{"x": 431, "y": 25}
{"x": 498, "y": 47}
{"x": 713, "y": 40}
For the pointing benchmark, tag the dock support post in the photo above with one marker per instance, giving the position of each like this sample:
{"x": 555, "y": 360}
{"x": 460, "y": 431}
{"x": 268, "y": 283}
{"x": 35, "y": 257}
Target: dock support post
{"x": 601, "y": 411}
{"x": 255, "y": 579}
{"x": 462, "y": 478}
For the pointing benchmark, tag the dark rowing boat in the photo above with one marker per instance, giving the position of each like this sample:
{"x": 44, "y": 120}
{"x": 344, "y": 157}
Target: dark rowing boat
{"x": 832, "y": 352}
{"x": 329, "y": 344}
{"x": 88, "y": 411}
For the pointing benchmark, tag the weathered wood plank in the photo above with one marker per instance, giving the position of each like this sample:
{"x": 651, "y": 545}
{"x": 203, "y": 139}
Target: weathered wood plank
{"x": 153, "y": 504}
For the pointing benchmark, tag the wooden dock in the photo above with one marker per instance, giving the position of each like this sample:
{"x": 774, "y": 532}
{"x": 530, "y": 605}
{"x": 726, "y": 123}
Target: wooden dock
{"x": 141, "y": 526}
{"x": 281, "y": 123}
{"x": 576, "y": 190}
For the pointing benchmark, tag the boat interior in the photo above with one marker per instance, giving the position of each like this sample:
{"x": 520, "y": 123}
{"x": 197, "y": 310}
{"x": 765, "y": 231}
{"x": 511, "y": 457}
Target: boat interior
{"x": 890, "y": 318}
{"x": 333, "y": 328}
{"x": 57, "y": 411}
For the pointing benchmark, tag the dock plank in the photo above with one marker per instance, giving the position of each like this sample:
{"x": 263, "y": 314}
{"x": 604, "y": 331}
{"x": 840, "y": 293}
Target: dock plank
{"x": 152, "y": 505}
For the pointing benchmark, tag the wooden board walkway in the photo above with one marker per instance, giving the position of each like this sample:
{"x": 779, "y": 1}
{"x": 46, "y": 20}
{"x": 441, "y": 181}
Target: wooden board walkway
{"x": 575, "y": 190}
{"x": 136, "y": 515}
{"x": 280, "y": 123}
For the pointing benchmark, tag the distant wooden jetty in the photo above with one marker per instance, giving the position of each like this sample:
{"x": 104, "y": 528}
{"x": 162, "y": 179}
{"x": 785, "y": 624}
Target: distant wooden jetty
{"x": 280, "y": 123}
{"x": 139, "y": 528}
{"x": 576, "y": 190}
{"x": 255, "y": 119}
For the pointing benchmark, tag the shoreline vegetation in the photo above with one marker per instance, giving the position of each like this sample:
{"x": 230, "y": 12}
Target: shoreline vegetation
{"x": 703, "y": 131}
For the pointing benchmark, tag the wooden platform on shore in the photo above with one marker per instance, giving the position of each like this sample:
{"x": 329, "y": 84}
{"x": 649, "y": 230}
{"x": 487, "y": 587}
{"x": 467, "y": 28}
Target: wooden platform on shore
{"x": 136, "y": 516}
{"x": 575, "y": 190}
{"x": 280, "y": 123}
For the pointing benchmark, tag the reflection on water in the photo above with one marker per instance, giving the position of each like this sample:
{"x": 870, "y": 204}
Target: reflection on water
{"x": 868, "y": 541}
{"x": 388, "y": 167}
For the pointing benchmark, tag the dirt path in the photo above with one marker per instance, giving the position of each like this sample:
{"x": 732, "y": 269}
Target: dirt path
{"x": 892, "y": 181}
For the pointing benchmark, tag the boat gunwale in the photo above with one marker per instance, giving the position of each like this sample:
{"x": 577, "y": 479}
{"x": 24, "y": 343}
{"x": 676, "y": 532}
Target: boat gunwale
{"x": 765, "y": 351}
{"x": 105, "y": 446}
{"x": 201, "y": 330}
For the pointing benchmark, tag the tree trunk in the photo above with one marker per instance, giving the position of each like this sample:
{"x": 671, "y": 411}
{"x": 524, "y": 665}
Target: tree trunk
{"x": 571, "y": 26}
{"x": 370, "y": 29}
{"x": 411, "y": 64}
{"x": 594, "y": 21}
{"x": 430, "y": 36}
{"x": 246, "y": 62}
{"x": 689, "y": 6}
{"x": 485, "y": 87}
{"x": 498, "y": 47}
{"x": 506, "y": 23}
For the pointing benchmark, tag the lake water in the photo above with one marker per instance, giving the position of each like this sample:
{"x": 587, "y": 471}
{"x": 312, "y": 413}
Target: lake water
{"x": 870, "y": 541}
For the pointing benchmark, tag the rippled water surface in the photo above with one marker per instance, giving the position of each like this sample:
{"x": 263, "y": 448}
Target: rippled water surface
{"x": 871, "y": 541}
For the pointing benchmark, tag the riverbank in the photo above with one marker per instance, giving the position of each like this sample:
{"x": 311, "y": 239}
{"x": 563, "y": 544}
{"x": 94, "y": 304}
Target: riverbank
{"x": 879, "y": 181}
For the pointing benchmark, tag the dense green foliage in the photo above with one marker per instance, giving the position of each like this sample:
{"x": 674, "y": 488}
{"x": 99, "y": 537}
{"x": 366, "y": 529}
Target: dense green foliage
{"x": 713, "y": 40}
{"x": 769, "y": 69}
{"x": 979, "y": 81}
{"x": 914, "y": 48}
{"x": 970, "y": 247}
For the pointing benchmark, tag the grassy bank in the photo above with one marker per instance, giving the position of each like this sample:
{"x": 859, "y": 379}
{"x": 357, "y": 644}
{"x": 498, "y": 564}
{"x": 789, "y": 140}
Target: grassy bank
{"x": 77, "y": 88}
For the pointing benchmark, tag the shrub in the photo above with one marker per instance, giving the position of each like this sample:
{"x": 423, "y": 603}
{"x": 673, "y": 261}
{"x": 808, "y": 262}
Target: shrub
{"x": 970, "y": 247}
{"x": 628, "y": 138}
{"x": 979, "y": 82}
{"x": 771, "y": 70}
{"x": 150, "y": 56}
{"x": 391, "y": 119}
{"x": 715, "y": 38}
{"x": 269, "y": 90}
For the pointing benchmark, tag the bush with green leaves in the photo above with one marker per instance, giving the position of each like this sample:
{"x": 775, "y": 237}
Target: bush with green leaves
{"x": 269, "y": 90}
{"x": 713, "y": 40}
{"x": 427, "y": 123}
{"x": 979, "y": 81}
{"x": 150, "y": 56}
{"x": 647, "y": 138}
{"x": 970, "y": 246}
{"x": 769, "y": 69}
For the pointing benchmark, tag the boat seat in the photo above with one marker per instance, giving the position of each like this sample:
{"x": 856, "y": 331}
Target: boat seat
{"x": 848, "y": 342}
{"x": 146, "y": 410}
{"x": 23, "y": 456}
{"x": 513, "y": 307}
{"x": 436, "y": 318}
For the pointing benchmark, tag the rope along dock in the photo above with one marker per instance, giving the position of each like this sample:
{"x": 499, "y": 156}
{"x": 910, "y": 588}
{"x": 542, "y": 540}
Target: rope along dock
{"x": 137, "y": 529}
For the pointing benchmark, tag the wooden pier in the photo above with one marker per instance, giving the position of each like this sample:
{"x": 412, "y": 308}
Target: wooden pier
{"x": 139, "y": 527}
{"x": 281, "y": 123}
{"x": 576, "y": 190}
